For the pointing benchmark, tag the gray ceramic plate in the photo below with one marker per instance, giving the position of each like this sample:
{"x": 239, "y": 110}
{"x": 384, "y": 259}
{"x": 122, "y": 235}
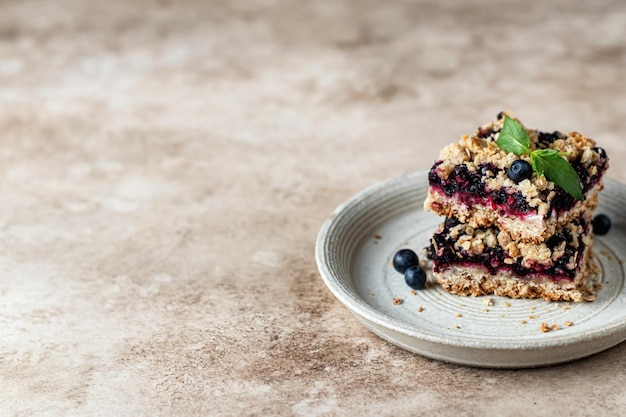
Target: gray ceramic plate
{"x": 354, "y": 251}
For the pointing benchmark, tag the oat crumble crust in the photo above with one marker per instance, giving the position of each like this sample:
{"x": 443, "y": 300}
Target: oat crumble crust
{"x": 479, "y": 149}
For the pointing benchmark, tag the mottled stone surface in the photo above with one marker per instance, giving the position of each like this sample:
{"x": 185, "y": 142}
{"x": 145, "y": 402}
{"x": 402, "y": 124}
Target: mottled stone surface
{"x": 166, "y": 166}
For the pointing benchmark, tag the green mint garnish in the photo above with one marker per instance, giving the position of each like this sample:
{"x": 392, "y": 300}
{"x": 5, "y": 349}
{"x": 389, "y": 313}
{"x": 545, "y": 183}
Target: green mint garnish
{"x": 558, "y": 170}
{"x": 514, "y": 138}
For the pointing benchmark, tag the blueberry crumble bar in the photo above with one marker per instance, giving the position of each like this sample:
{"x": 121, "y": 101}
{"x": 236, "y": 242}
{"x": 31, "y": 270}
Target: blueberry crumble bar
{"x": 472, "y": 182}
{"x": 485, "y": 260}
{"x": 519, "y": 206}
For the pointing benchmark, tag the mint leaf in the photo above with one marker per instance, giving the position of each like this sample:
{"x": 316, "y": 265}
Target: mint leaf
{"x": 513, "y": 137}
{"x": 557, "y": 170}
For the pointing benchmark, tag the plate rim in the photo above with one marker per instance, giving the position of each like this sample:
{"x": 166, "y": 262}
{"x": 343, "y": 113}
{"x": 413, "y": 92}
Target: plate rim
{"x": 367, "y": 312}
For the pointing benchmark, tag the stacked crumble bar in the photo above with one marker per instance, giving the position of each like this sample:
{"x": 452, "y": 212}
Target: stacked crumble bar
{"x": 523, "y": 240}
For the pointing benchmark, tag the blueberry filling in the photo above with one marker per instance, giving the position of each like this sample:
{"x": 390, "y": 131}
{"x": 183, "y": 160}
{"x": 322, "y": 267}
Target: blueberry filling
{"x": 485, "y": 133}
{"x": 492, "y": 259}
{"x": 601, "y": 152}
{"x": 471, "y": 189}
{"x": 545, "y": 139}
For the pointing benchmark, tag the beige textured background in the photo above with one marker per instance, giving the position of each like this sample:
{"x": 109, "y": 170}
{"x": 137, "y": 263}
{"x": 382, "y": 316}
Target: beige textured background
{"x": 166, "y": 165}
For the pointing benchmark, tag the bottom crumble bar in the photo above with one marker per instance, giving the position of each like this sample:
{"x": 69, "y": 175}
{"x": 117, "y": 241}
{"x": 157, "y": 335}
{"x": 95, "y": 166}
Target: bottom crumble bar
{"x": 481, "y": 261}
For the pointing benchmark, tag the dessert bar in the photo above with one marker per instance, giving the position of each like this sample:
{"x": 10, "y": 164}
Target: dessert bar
{"x": 485, "y": 260}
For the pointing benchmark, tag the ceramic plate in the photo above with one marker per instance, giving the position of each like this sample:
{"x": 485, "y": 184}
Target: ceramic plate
{"x": 354, "y": 251}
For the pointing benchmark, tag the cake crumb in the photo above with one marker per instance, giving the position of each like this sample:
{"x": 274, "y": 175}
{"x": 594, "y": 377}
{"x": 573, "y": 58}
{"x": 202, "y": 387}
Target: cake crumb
{"x": 488, "y": 301}
{"x": 506, "y": 304}
{"x": 458, "y": 315}
{"x": 523, "y": 322}
{"x": 377, "y": 236}
{"x": 532, "y": 309}
{"x": 457, "y": 326}
{"x": 484, "y": 310}
{"x": 555, "y": 326}
{"x": 545, "y": 328}
{"x": 413, "y": 292}
{"x": 397, "y": 301}
{"x": 533, "y": 316}
{"x": 569, "y": 323}
{"x": 420, "y": 309}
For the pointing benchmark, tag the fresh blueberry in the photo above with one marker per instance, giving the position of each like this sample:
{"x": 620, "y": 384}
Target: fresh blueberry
{"x": 450, "y": 222}
{"x": 519, "y": 170}
{"x": 404, "y": 259}
{"x": 415, "y": 277}
{"x": 601, "y": 224}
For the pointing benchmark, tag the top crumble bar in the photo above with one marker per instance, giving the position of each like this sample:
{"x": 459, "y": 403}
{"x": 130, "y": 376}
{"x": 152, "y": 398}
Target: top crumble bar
{"x": 469, "y": 182}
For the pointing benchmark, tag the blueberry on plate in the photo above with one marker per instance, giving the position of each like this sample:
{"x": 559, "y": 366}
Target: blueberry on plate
{"x": 415, "y": 277}
{"x": 404, "y": 259}
{"x": 519, "y": 170}
{"x": 601, "y": 224}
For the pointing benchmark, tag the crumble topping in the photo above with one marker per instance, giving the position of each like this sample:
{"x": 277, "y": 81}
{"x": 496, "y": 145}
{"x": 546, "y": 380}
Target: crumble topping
{"x": 481, "y": 149}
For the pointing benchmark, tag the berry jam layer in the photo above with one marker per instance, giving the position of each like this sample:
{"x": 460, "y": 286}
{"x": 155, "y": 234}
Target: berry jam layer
{"x": 559, "y": 259}
{"x": 470, "y": 181}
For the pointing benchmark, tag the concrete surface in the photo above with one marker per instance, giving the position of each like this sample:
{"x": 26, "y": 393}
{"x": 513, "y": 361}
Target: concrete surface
{"x": 166, "y": 166}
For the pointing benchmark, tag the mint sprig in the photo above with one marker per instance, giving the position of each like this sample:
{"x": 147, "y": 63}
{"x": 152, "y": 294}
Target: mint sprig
{"x": 557, "y": 170}
{"x": 514, "y": 138}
